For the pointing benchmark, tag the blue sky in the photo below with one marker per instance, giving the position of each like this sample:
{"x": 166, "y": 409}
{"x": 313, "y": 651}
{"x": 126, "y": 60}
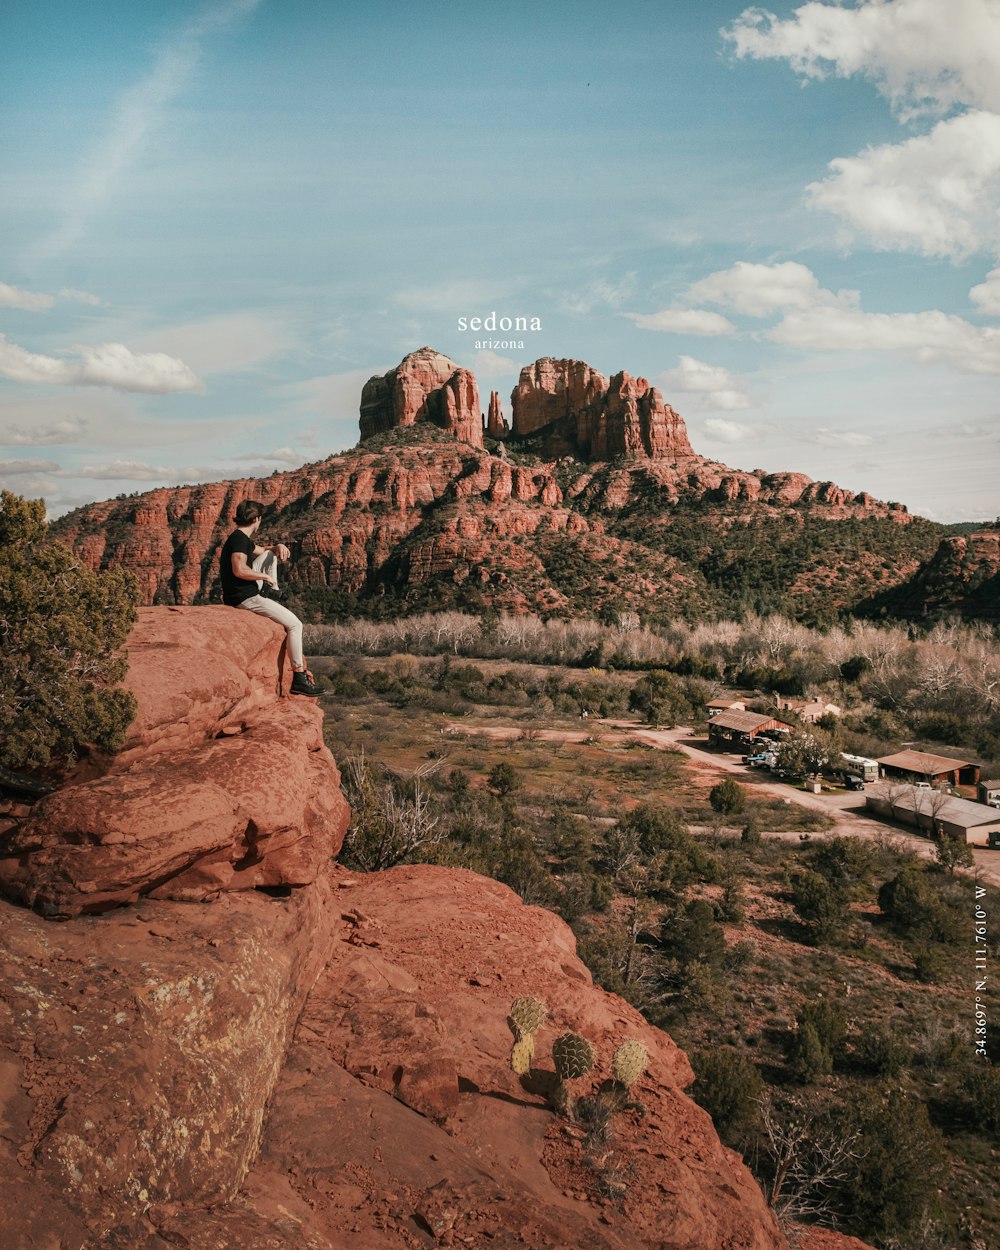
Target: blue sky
{"x": 218, "y": 219}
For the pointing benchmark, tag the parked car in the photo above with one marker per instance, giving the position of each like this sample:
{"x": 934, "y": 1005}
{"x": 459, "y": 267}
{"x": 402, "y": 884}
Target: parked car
{"x": 853, "y": 782}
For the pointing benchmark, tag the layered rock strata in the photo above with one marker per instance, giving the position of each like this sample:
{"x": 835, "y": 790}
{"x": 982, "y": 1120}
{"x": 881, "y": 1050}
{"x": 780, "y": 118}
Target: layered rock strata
{"x": 496, "y": 422}
{"x": 365, "y": 519}
{"x": 221, "y": 785}
{"x": 424, "y": 386}
{"x": 581, "y": 413}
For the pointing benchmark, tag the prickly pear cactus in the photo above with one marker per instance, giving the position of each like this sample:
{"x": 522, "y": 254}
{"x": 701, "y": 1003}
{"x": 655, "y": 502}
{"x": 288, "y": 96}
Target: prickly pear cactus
{"x": 573, "y": 1056}
{"x": 528, "y": 1015}
{"x": 628, "y": 1062}
{"x": 522, "y": 1053}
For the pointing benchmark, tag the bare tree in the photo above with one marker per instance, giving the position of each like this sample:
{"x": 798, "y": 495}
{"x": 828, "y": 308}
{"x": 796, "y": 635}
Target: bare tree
{"x": 807, "y": 1162}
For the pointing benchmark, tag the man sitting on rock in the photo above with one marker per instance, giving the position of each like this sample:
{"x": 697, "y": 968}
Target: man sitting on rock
{"x": 246, "y": 568}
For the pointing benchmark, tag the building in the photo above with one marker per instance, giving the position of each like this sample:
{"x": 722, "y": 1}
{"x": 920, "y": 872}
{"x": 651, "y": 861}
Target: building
{"x": 808, "y": 711}
{"x": 714, "y": 706}
{"x": 988, "y": 791}
{"x": 922, "y": 766}
{"x": 936, "y": 813}
{"x": 735, "y": 731}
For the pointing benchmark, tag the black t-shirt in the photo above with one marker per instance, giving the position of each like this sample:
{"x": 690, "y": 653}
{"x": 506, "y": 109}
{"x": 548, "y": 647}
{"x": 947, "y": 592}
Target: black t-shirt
{"x": 236, "y": 589}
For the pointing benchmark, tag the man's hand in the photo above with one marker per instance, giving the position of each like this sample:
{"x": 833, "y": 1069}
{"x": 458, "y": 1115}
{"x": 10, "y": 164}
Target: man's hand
{"x": 268, "y": 580}
{"x": 281, "y": 551}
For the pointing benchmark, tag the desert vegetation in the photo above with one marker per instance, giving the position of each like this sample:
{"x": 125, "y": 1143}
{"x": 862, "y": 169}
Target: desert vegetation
{"x": 935, "y": 688}
{"x": 62, "y": 628}
{"x": 819, "y": 984}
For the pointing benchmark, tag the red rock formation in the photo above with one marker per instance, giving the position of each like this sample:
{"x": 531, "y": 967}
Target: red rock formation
{"x": 596, "y": 419}
{"x": 424, "y": 386}
{"x": 260, "y": 802}
{"x": 324, "y": 1069}
{"x": 496, "y": 422}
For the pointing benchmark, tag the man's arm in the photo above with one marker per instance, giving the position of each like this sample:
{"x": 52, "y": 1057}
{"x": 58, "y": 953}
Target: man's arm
{"x": 245, "y": 573}
{"x": 279, "y": 549}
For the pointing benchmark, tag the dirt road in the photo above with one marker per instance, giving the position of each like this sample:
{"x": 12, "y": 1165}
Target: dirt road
{"x": 847, "y": 809}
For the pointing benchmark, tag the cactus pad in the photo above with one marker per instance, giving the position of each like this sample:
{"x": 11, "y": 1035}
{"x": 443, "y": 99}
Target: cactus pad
{"x": 522, "y": 1052}
{"x": 528, "y": 1015}
{"x": 628, "y": 1062}
{"x": 573, "y": 1056}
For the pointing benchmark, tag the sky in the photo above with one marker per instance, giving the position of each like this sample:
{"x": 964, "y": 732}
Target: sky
{"x": 218, "y": 219}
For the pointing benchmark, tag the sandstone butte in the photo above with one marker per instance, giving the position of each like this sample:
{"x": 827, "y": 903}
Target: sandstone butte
{"x": 401, "y": 515}
{"x": 190, "y": 1061}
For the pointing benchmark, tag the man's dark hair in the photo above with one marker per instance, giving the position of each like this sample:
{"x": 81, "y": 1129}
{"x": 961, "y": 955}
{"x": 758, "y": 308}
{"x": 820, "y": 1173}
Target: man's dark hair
{"x": 248, "y": 511}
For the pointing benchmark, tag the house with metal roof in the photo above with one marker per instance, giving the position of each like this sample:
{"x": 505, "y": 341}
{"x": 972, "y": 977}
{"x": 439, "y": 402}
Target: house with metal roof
{"x": 734, "y": 731}
{"x": 922, "y": 766}
{"x": 937, "y": 813}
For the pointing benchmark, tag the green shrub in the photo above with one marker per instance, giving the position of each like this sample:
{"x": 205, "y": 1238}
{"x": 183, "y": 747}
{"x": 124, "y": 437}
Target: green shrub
{"x": 62, "y": 627}
{"x": 881, "y": 1051}
{"x": 503, "y": 779}
{"x": 728, "y": 797}
{"x": 728, "y": 1086}
{"x": 820, "y": 906}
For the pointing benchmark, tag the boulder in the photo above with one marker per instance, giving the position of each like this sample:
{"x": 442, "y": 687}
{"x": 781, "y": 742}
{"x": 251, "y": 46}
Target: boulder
{"x": 221, "y": 785}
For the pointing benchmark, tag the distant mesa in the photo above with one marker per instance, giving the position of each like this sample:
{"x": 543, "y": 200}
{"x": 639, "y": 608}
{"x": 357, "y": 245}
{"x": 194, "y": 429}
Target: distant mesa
{"x": 424, "y": 386}
{"x": 564, "y": 405}
{"x": 579, "y": 412}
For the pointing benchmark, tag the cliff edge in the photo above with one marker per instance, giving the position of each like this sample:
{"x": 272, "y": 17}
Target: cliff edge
{"x": 311, "y": 1066}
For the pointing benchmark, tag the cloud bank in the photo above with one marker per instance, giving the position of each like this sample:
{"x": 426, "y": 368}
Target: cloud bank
{"x": 110, "y": 364}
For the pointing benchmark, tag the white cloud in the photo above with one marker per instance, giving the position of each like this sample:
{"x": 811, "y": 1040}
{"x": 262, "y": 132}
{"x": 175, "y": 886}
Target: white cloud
{"x": 842, "y": 438}
{"x": 110, "y": 364}
{"x": 39, "y": 301}
{"x": 31, "y": 301}
{"x": 728, "y": 431}
{"x": 758, "y": 290}
{"x": 461, "y": 297}
{"x": 922, "y": 54}
{"x": 601, "y": 293}
{"x": 139, "y": 111}
{"x": 931, "y": 337}
{"x": 10, "y": 467}
{"x": 282, "y": 455}
{"x": 139, "y": 471}
{"x": 223, "y": 344}
{"x": 67, "y": 430}
{"x": 821, "y": 320}
{"x": 492, "y": 365}
{"x": 986, "y": 296}
{"x": 704, "y": 385}
{"x": 683, "y": 321}
{"x": 935, "y": 194}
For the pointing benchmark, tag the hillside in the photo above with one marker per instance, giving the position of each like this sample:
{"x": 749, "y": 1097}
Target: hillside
{"x": 311, "y": 1057}
{"x": 593, "y": 501}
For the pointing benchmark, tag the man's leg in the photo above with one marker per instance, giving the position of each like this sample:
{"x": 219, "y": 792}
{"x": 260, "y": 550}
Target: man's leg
{"x": 293, "y": 628}
{"x": 266, "y": 562}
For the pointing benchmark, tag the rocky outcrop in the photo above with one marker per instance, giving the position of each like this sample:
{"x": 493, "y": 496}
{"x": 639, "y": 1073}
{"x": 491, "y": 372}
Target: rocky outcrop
{"x": 961, "y": 577}
{"x": 424, "y": 386}
{"x": 579, "y": 412}
{"x": 430, "y": 503}
{"x": 155, "y": 1095}
{"x": 138, "y": 1055}
{"x": 325, "y": 1065}
{"x": 221, "y": 785}
{"x": 496, "y": 422}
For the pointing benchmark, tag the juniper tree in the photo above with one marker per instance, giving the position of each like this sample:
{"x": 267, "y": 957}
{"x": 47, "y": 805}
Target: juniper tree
{"x": 62, "y": 627}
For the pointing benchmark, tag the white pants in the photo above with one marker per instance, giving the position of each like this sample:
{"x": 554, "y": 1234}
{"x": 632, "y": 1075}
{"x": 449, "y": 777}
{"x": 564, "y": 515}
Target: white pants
{"x": 274, "y": 611}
